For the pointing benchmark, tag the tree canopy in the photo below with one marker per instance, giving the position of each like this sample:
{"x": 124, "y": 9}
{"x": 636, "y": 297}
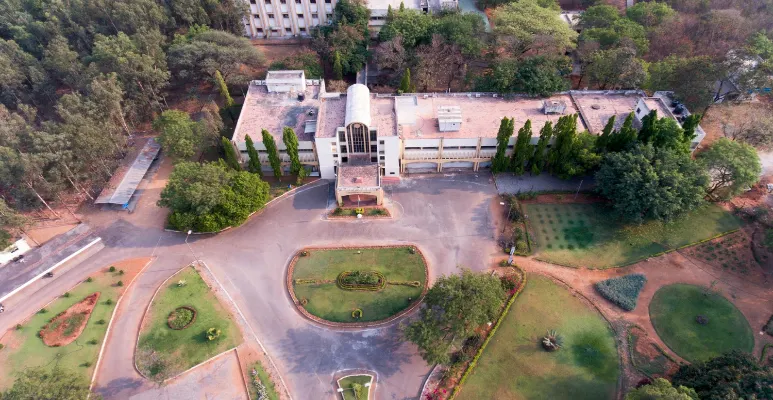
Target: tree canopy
{"x": 732, "y": 167}
{"x": 210, "y": 197}
{"x": 453, "y": 309}
{"x": 661, "y": 389}
{"x": 651, "y": 183}
{"x": 734, "y": 375}
{"x": 527, "y": 26}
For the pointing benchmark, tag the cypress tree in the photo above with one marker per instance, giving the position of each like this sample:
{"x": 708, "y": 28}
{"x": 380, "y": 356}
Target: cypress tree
{"x": 273, "y": 153}
{"x": 648, "y": 126}
{"x": 499, "y": 163}
{"x": 625, "y": 138}
{"x": 402, "y": 6}
{"x": 538, "y": 158}
{"x": 254, "y": 164}
{"x": 602, "y": 143}
{"x": 230, "y": 154}
{"x": 338, "y": 68}
{"x": 689, "y": 125}
{"x": 291, "y": 143}
{"x": 561, "y": 152}
{"x": 523, "y": 150}
{"x": 405, "y": 83}
{"x": 229, "y": 101}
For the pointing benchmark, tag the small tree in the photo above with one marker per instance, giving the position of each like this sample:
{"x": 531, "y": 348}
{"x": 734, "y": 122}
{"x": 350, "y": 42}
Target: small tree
{"x": 230, "y": 154}
{"x": 227, "y": 99}
{"x": 500, "y": 163}
{"x": 212, "y": 334}
{"x": 539, "y": 157}
{"x": 291, "y": 143}
{"x": 253, "y": 165}
{"x": 661, "y": 389}
{"x": 338, "y": 68}
{"x": 405, "y": 82}
{"x": 179, "y": 136}
{"x": 523, "y": 150}
{"x": 273, "y": 153}
{"x": 732, "y": 167}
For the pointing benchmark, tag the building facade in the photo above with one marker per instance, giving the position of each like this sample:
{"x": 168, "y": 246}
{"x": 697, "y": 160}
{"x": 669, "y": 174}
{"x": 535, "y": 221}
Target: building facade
{"x": 422, "y": 132}
{"x": 278, "y": 19}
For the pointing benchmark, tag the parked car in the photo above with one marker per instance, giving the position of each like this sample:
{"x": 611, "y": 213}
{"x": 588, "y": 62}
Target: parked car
{"x": 49, "y": 275}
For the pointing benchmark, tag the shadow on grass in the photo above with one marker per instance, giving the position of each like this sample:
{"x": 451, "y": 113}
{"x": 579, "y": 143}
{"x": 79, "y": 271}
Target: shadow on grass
{"x": 589, "y": 352}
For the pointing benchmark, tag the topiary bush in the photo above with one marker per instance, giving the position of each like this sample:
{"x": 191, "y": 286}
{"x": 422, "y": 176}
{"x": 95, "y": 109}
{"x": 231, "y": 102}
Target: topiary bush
{"x": 623, "y": 291}
{"x": 112, "y": 268}
{"x": 357, "y": 314}
{"x": 212, "y": 334}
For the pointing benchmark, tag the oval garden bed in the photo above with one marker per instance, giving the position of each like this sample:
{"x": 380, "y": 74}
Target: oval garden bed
{"x": 698, "y": 324}
{"x": 181, "y": 318}
{"x": 357, "y": 285}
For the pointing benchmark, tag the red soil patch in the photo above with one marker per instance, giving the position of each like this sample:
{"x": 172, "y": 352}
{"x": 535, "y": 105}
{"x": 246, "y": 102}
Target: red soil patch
{"x": 64, "y": 328}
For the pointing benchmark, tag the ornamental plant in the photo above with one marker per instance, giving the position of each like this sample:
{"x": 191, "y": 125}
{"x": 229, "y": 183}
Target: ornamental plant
{"x": 212, "y": 334}
{"x": 552, "y": 341}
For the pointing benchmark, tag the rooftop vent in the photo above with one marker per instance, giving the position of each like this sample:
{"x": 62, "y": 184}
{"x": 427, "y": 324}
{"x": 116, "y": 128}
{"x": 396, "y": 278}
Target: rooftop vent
{"x": 449, "y": 118}
{"x": 595, "y": 107}
{"x": 553, "y": 107}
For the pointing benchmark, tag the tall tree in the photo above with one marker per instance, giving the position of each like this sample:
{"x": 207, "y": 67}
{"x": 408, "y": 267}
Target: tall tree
{"x": 732, "y": 166}
{"x": 616, "y": 68}
{"x": 230, "y": 154}
{"x": 338, "y": 68}
{"x": 291, "y": 143}
{"x": 692, "y": 79}
{"x": 454, "y": 308}
{"x": 405, "y": 82}
{"x": 273, "y": 153}
{"x": 439, "y": 65}
{"x": 559, "y": 157}
{"x": 523, "y": 149}
{"x": 650, "y": 14}
{"x": 253, "y": 165}
{"x": 178, "y": 134}
{"x": 500, "y": 163}
{"x": 228, "y": 101}
{"x": 651, "y": 183}
{"x": 527, "y": 27}
{"x": 540, "y": 153}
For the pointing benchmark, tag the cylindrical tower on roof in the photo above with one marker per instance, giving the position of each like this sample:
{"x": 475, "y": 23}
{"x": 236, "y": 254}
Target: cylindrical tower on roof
{"x": 358, "y": 105}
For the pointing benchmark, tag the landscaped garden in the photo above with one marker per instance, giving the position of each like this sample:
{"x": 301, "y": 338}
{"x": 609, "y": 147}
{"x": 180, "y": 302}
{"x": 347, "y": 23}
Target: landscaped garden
{"x": 732, "y": 253}
{"x": 185, "y": 326}
{"x": 358, "y": 284}
{"x": 68, "y": 332}
{"x": 354, "y": 387}
{"x": 262, "y": 387}
{"x": 581, "y": 362}
{"x": 697, "y": 323}
{"x": 584, "y": 235}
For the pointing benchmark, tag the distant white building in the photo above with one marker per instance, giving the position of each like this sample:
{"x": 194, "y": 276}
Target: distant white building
{"x": 279, "y": 19}
{"x": 422, "y": 132}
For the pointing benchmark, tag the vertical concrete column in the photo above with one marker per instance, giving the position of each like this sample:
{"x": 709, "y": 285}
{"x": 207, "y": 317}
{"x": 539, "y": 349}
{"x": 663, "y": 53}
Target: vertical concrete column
{"x": 380, "y": 196}
{"x": 440, "y": 156}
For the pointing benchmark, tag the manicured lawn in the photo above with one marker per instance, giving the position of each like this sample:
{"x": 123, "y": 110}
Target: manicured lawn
{"x": 331, "y": 303}
{"x": 24, "y": 349}
{"x": 346, "y": 384}
{"x": 515, "y": 366}
{"x": 587, "y": 235}
{"x": 674, "y": 309}
{"x": 164, "y": 352}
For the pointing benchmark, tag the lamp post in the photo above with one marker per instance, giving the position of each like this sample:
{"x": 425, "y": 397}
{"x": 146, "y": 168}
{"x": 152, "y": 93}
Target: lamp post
{"x": 191, "y": 248}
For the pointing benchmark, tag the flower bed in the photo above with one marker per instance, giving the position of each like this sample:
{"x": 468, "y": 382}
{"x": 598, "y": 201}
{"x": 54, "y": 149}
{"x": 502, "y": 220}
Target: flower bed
{"x": 181, "y": 318}
{"x": 366, "y": 212}
{"x": 623, "y": 291}
{"x": 361, "y": 280}
{"x": 66, "y": 326}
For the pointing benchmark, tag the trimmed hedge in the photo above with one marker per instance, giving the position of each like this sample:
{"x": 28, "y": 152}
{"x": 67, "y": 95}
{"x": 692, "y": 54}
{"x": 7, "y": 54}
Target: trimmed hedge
{"x": 345, "y": 279}
{"x": 474, "y": 362}
{"x": 405, "y": 283}
{"x": 623, "y": 291}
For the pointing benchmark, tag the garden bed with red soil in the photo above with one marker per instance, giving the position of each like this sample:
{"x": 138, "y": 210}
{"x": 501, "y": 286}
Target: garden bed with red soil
{"x": 64, "y": 328}
{"x": 647, "y": 357}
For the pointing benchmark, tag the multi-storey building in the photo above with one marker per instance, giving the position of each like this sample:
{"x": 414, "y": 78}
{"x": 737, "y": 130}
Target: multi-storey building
{"x": 292, "y": 18}
{"x": 422, "y": 132}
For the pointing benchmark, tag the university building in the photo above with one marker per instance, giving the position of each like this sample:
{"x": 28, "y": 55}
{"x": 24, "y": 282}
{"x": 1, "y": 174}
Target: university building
{"x": 292, "y": 18}
{"x": 360, "y": 138}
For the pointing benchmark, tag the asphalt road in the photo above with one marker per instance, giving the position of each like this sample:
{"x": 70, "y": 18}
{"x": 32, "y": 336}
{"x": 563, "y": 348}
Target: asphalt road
{"x": 447, "y": 216}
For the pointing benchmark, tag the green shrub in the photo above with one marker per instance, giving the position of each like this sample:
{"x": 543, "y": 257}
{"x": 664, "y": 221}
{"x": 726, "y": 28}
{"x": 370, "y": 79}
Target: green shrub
{"x": 212, "y": 334}
{"x": 112, "y": 268}
{"x": 42, "y": 311}
{"x": 108, "y": 302}
{"x": 86, "y": 364}
{"x": 89, "y": 279}
{"x": 121, "y": 272}
{"x": 119, "y": 283}
{"x": 1, "y": 346}
{"x": 18, "y": 327}
{"x": 101, "y": 322}
{"x": 66, "y": 294}
{"x": 357, "y": 314}
{"x": 92, "y": 342}
{"x": 623, "y": 291}
{"x": 769, "y": 326}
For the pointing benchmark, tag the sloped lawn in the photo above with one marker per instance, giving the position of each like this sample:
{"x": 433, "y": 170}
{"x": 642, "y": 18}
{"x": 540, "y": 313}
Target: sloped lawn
{"x": 515, "y": 366}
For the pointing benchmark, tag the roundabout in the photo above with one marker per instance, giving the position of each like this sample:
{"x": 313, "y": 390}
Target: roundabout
{"x": 357, "y": 286}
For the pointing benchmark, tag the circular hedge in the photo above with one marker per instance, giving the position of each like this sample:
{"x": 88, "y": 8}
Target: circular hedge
{"x": 361, "y": 280}
{"x": 181, "y": 318}
{"x": 720, "y": 328}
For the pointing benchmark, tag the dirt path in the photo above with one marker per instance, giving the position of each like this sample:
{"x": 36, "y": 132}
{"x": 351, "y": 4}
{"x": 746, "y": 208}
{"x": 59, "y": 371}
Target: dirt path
{"x": 754, "y": 301}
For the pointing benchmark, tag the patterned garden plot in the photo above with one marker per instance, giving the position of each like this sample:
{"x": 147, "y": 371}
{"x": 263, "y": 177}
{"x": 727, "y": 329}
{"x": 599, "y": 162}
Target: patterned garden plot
{"x": 732, "y": 253}
{"x": 562, "y": 226}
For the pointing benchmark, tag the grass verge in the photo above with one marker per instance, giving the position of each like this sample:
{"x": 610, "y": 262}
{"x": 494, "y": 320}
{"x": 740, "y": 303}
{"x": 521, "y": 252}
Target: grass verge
{"x": 585, "y": 368}
{"x": 163, "y": 352}
{"x": 585, "y": 235}
{"x": 329, "y": 302}
{"x": 260, "y": 375}
{"x": 674, "y": 310}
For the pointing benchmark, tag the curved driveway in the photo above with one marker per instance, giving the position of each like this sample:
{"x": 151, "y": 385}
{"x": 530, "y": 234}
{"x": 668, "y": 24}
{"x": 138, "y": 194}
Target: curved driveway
{"x": 448, "y": 217}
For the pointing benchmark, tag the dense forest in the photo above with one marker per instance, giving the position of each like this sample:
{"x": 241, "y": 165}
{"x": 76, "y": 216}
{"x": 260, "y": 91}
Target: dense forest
{"x": 81, "y": 77}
